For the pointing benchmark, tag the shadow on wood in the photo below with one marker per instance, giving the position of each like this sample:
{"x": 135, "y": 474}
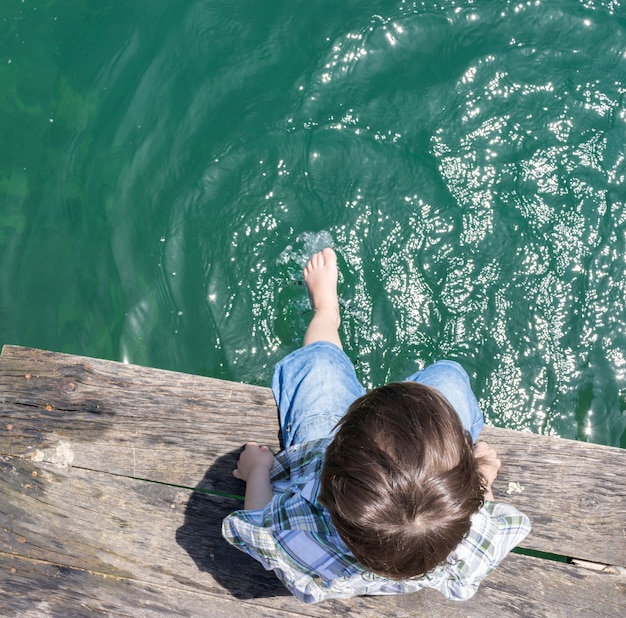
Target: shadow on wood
{"x": 235, "y": 571}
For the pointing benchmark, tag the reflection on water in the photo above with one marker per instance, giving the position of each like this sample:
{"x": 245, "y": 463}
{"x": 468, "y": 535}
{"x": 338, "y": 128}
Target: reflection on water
{"x": 177, "y": 165}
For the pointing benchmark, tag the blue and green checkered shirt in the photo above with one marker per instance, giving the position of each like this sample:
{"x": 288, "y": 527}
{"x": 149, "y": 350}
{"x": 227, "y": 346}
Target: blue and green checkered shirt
{"x": 294, "y": 537}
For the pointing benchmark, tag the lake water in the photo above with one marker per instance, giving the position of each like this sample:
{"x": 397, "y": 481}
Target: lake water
{"x": 166, "y": 168}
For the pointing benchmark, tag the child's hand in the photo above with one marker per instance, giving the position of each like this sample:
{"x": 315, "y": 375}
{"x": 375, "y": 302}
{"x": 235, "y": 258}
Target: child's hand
{"x": 488, "y": 465}
{"x": 253, "y": 458}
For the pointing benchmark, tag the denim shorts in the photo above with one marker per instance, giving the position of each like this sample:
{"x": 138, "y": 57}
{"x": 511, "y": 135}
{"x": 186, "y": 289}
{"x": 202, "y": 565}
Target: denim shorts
{"x": 314, "y": 386}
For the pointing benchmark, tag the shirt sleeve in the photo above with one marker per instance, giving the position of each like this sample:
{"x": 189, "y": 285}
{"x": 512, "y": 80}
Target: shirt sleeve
{"x": 295, "y": 463}
{"x": 245, "y": 531}
{"x": 496, "y": 529}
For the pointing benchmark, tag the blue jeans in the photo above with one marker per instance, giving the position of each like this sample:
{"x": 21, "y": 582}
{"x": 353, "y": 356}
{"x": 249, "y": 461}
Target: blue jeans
{"x": 314, "y": 386}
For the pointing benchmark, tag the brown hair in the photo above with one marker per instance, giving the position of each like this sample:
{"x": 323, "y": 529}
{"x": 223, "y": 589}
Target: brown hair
{"x": 400, "y": 480}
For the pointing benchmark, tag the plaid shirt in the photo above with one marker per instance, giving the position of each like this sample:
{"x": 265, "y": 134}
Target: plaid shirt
{"x": 295, "y": 537}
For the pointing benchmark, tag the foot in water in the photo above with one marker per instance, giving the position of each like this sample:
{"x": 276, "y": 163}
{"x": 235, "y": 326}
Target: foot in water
{"x": 320, "y": 277}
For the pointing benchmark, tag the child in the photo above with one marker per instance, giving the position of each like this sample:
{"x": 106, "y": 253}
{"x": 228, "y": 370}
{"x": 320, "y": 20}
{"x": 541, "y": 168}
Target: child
{"x": 376, "y": 493}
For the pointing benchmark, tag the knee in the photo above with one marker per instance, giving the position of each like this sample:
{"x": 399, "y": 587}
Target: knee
{"x": 454, "y": 372}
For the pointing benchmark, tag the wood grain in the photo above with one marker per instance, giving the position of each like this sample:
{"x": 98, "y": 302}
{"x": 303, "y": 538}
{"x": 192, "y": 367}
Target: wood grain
{"x": 98, "y": 543}
{"x": 129, "y": 420}
{"x": 104, "y": 469}
{"x": 573, "y": 492}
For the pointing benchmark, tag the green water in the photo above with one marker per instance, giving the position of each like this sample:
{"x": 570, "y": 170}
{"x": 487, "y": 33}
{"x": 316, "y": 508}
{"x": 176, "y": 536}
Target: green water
{"x": 166, "y": 168}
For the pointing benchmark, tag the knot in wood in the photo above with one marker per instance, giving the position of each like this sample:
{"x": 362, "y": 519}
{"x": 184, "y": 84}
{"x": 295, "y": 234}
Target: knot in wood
{"x": 587, "y": 502}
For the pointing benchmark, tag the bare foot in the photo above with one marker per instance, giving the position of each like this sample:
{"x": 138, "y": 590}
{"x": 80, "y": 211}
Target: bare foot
{"x": 320, "y": 276}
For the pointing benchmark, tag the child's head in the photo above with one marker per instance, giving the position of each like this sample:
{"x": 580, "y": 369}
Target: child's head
{"x": 400, "y": 480}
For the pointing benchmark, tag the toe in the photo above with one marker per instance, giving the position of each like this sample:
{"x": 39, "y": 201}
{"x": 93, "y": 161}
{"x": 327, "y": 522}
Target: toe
{"x": 329, "y": 255}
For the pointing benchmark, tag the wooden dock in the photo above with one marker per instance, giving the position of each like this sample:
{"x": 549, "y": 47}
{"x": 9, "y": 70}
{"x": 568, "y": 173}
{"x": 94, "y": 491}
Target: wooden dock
{"x": 114, "y": 480}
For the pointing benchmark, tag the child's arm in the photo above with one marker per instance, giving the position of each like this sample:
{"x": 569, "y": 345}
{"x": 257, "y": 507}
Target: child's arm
{"x": 253, "y": 467}
{"x": 488, "y": 465}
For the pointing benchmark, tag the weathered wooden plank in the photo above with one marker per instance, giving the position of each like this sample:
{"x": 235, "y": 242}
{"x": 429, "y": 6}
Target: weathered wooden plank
{"x": 129, "y": 420}
{"x": 169, "y": 427}
{"x": 61, "y": 591}
{"x": 75, "y": 542}
{"x": 41, "y": 590}
{"x": 573, "y": 492}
